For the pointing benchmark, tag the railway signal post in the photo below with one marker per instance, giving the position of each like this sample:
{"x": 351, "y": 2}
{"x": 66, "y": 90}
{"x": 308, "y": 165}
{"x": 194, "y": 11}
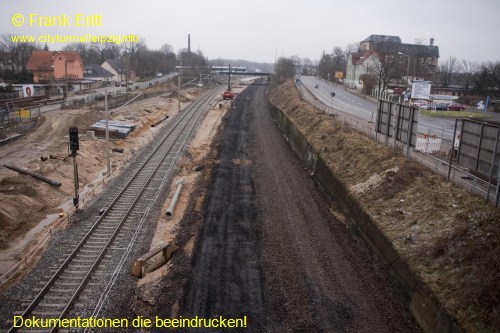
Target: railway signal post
{"x": 74, "y": 146}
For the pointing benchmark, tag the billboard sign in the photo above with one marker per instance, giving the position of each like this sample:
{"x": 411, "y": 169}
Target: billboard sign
{"x": 421, "y": 89}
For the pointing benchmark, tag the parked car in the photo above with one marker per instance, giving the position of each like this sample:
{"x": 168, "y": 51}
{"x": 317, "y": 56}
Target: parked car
{"x": 440, "y": 106}
{"x": 398, "y": 90}
{"x": 456, "y": 107}
{"x": 420, "y": 104}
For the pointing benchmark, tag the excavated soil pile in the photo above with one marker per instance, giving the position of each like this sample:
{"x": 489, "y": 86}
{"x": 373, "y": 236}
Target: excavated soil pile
{"x": 25, "y": 201}
{"x": 448, "y": 236}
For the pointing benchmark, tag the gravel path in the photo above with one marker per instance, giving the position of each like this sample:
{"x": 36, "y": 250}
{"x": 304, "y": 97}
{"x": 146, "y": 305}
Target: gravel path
{"x": 270, "y": 249}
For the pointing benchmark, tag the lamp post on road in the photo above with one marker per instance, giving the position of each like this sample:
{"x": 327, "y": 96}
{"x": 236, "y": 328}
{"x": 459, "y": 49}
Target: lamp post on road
{"x": 407, "y": 66}
{"x": 407, "y": 71}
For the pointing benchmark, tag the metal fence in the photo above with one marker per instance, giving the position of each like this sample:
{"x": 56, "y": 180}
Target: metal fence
{"x": 439, "y": 165}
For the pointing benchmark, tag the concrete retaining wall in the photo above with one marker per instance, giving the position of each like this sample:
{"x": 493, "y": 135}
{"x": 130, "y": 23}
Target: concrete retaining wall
{"x": 427, "y": 310}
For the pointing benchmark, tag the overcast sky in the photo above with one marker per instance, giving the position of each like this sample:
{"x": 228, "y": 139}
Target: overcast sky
{"x": 260, "y": 30}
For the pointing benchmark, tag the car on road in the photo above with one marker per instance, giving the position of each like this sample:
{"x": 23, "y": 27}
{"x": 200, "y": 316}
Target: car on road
{"x": 456, "y": 107}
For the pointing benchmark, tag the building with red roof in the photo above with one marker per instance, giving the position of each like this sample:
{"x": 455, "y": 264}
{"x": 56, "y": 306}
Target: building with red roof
{"x": 55, "y": 65}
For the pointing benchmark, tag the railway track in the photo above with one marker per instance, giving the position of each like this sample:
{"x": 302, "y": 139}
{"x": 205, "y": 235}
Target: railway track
{"x": 111, "y": 235}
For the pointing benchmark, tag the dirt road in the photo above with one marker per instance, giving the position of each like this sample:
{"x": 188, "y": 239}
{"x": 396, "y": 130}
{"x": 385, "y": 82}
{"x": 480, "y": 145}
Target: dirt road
{"x": 271, "y": 250}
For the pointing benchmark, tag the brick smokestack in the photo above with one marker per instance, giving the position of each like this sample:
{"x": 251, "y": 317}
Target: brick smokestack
{"x": 189, "y": 43}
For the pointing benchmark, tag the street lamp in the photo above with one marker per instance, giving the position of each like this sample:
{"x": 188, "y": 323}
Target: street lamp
{"x": 407, "y": 72}
{"x": 407, "y": 67}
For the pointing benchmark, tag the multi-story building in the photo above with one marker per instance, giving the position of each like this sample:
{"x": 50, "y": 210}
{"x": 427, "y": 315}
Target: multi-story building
{"x": 386, "y": 58}
{"x": 55, "y": 65}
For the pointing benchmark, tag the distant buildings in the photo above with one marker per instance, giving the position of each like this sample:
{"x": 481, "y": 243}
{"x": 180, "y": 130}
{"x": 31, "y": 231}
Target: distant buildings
{"x": 97, "y": 73}
{"x": 55, "y": 65}
{"x": 386, "y": 60}
{"x": 116, "y": 69}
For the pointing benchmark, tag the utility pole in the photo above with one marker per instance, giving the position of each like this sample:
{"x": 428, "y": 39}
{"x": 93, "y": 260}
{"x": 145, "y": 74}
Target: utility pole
{"x": 108, "y": 162}
{"x": 179, "y": 87}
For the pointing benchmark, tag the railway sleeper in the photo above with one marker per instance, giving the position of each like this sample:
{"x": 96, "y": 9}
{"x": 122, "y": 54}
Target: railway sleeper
{"x": 59, "y": 284}
{"x": 78, "y": 264}
{"x": 88, "y": 246}
{"x": 40, "y": 314}
{"x": 50, "y": 306}
{"x": 95, "y": 242}
{"x": 108, "y": 227}
{"x": 46, "y": 314}
{"x": 83, "y": 259}
{"x": 75, "y": 270}
{"x": 70, "y": 278}
{"x": 100, "y": 238}
{"x": 85, "y": 250}
{"x": 57, "y": 291}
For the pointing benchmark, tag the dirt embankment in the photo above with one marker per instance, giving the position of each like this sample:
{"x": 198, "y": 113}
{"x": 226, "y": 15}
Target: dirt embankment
{"x": 449, "y": 237}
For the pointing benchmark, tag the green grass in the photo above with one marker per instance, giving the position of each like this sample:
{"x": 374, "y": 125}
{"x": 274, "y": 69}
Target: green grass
{"x": 453, "y": 114}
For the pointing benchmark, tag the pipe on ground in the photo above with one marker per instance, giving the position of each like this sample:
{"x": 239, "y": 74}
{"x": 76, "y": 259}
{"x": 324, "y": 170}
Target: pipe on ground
{"x": 159, "y": 122}
{"x": 34, "y": 175}
{"x": 173, "y": 202}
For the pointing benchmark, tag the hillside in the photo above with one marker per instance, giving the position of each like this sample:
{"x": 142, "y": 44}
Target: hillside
{"x": 448, "y": 236}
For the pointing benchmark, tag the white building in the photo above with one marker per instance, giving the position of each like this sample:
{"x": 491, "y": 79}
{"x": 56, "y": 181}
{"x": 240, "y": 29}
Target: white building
{"x": 359, "y": 67}
{"x": 116, "y": 69}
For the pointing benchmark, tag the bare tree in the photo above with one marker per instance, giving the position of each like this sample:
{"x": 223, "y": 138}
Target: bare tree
{"x": 166, "y": 49}
{"x": 447, "y": 71}
{"x": 89, "y": 53}
{"x": 19, "y": 53}
{"x": 488, "y": 79}
{"x": 284, "y": 70}
{"x": 339, "y": 59}
{"x": 389, "y": 65}
{"x": 469, "y": 70}
{"x": 325, "y": 66}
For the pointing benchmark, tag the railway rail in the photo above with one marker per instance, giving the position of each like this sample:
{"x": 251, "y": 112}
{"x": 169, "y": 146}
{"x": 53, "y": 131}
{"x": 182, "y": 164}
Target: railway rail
{"x": 115, "y": 230}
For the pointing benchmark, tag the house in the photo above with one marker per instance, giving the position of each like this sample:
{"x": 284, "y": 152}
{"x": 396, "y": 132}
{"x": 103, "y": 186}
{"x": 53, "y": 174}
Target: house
{"x": 55, "y": 65}
{"x": 115, "y": 68}
{"x": 97, "y": 73}
{"x": 415, "y": 61}
{"x": 359, "y": 65}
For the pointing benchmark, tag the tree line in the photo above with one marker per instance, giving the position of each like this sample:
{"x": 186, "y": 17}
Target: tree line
{"x": 135, "y": 58}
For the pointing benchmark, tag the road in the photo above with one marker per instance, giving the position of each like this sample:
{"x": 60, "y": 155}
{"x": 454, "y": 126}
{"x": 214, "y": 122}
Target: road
{"x": 271, "y": 250}
{"x": 354, "y": 105}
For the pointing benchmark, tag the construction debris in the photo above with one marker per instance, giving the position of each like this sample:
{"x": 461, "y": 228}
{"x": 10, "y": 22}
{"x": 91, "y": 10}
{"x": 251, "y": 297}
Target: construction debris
{"x": 117, "y": 129}
{"x": 34, "y": 175}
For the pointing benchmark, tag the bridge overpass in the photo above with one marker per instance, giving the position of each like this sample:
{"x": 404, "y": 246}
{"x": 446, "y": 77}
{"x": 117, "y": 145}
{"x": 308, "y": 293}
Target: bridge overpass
{"x": 248, "y": 74}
